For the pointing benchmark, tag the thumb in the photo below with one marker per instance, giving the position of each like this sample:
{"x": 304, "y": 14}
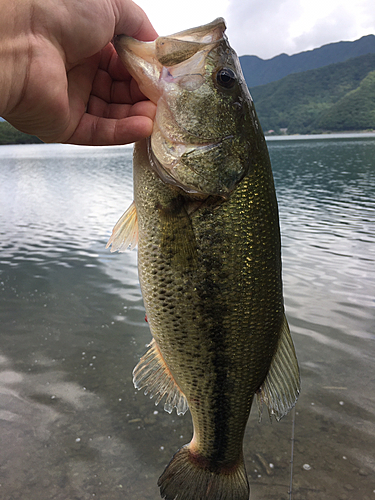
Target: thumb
{"x": 132, "y": 21}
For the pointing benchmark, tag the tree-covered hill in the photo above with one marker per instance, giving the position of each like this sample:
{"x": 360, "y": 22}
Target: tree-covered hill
{"x": 301, "y": 103}
{"x": 10, "y": 135}
{"x": 356, "y": 107}
{"x": 258, "y": 71}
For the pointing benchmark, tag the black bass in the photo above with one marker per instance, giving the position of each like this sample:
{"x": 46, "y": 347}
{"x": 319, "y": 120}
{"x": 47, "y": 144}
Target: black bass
{"x": 206, "y": 222}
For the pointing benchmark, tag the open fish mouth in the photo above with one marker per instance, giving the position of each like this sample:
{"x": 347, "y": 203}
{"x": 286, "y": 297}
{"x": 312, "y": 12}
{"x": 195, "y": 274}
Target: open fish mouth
{"x": 146, "y": 60}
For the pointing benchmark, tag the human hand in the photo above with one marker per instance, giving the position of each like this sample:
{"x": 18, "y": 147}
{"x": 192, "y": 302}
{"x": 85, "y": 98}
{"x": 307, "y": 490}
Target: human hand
{"x": 61, "y": 77}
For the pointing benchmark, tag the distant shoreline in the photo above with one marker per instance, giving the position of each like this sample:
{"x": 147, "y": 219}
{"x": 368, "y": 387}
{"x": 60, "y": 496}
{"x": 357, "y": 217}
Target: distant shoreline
{"x": 9, "y": 136}
{"x": 74, "y": 150}
{"x": 326, "y": 135}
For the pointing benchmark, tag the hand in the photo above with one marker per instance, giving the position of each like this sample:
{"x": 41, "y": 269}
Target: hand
{"x": 61, "y": 77}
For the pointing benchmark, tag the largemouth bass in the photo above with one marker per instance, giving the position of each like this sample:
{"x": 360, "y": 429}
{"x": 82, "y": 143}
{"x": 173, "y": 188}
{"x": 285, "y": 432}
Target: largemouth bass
{"x": 205, "y": 219}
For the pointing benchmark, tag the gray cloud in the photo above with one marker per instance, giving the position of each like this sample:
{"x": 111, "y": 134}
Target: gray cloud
{"x": 337, "y": 27}
{"x": 261, "y": 28}
{"x": 264, "y": 28}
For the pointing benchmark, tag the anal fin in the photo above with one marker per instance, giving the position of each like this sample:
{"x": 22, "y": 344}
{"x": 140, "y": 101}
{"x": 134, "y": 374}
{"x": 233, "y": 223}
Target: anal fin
{"x": 153, "y": 375}
{"x": 281, "y": 387}
{"x": 125, "y": 232}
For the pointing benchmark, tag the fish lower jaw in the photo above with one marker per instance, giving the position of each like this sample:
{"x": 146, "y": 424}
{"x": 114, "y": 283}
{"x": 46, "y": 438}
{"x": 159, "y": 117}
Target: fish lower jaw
{"x": 197, "y": 187}
{"x": 165, "y": 172}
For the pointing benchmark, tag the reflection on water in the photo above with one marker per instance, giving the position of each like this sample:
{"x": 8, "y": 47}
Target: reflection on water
{"x": 72, "y": 329}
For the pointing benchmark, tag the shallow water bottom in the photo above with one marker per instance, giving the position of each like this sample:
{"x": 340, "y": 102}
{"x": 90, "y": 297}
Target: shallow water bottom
{"x": 73, "y": 427}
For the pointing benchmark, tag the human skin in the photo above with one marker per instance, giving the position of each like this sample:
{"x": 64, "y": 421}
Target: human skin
{"x": 60, "y": 76}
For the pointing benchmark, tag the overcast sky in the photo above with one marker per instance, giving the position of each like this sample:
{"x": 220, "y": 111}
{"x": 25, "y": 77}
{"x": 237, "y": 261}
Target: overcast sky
{"x": 267, "y": 28}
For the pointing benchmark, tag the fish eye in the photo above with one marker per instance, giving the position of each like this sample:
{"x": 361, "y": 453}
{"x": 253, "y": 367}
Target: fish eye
{"x": 226, "y": 78}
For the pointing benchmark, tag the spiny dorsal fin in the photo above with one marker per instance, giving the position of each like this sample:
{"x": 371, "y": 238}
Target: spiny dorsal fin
{"x": 281, "y": 387}
{"x": 153, "y": 375}
{"x": 125, "y": 232}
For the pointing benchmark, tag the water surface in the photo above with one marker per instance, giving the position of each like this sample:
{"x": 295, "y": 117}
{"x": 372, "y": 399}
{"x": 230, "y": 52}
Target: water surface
{"x": 72, "y": 328}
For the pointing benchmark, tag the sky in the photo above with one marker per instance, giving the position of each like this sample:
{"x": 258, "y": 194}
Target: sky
{"x": 267, "y": 28}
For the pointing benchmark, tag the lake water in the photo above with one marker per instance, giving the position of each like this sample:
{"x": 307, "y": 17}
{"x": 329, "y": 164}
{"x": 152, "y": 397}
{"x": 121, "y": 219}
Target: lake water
{"x": 72, "y": 328}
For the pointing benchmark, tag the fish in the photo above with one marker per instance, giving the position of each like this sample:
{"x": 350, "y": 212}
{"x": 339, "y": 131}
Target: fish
{"x": 205, "y": 219}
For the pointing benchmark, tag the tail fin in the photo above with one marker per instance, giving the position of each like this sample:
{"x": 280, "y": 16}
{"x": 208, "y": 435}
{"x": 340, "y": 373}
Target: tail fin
{"x": 185, "y": 479}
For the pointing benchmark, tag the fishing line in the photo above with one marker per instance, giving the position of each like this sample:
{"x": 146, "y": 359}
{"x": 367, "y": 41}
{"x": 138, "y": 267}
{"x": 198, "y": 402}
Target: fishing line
{"x": 292, "y": 454}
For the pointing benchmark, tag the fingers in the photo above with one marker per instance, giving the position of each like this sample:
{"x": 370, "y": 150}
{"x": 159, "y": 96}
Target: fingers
{"x": 112, "y": 82}
{"x": 109, "y": 90}
{"x": 100, "y": 108}
{"x": 99, "y": 131}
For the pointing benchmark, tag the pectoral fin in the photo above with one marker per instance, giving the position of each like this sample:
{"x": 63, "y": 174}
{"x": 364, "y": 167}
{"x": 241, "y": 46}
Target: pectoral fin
{"x": 153, "y": 375}
{"x": 125, "y": 232}
{"x": 281, "y": 387}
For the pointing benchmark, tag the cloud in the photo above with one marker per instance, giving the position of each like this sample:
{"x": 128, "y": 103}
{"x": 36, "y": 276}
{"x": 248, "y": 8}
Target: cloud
{"x": 337, "y": 27}
{"x": 172, "y": 16}
{"x": 261, "y": 28}
{"x": 267, "y": 29}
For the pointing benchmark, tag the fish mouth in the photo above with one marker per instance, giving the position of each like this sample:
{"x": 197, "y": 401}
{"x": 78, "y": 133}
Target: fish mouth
{"x": 145, "y": 60}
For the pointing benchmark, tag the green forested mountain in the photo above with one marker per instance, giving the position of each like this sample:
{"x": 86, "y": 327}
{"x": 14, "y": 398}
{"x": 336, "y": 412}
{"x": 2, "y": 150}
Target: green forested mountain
{"x": 258, "y": 71}
{"x": 337, "y": 97}
{"x": 10, "y": 135}
{"x": 356, "y": 108}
